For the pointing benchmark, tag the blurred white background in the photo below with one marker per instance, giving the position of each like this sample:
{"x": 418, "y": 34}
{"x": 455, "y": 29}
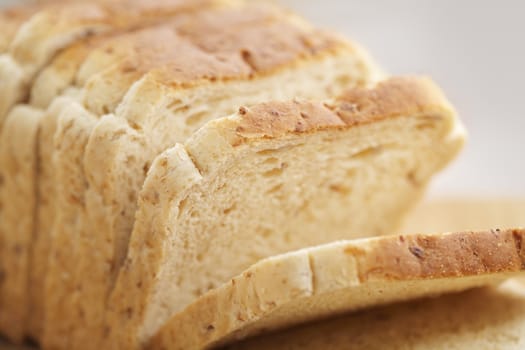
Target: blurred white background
{"x": 475, "y": 50}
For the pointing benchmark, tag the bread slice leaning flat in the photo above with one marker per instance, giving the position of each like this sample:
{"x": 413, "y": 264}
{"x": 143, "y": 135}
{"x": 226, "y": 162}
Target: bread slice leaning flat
{"x": 484, "y": 319}
{"x": 343, "y": 276}
{"x": 272, "y": 178}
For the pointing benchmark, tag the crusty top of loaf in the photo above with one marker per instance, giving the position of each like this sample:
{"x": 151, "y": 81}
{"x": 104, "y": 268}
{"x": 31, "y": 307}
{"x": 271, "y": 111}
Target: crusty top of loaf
{"x": 94, "y": 16}
{"x": 238, "y": 42}
{"x": 397, "y": 96}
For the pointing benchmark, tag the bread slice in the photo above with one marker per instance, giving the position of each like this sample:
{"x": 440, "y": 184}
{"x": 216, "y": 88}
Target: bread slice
{"x": 313, "y": 50}
{"x": 44, "y": 216}
{"x": 343, "y": 276}
{"x": 57, "y": 25}
{"x": 299, "y": 163}
{"x": 484, "y": 319}
{"x": 16, "y": 223}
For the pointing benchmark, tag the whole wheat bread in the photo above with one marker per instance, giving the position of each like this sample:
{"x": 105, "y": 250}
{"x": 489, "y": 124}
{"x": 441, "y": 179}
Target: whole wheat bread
{"x": 61, "y": 78}
{"x": 320, "y": 171}
{"x": 320, "y": 51}
{"x": 105, "y": 60}
{"x": 343, "y": 276}
{"x": 49, "y": 28}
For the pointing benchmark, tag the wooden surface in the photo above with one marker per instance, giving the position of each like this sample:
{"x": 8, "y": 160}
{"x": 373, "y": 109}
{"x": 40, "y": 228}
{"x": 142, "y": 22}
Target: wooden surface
{"x": 447, "y": 214}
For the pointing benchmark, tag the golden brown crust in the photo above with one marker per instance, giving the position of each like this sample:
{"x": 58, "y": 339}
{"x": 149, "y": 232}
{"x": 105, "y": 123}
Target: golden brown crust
{"x": 441, "y": 256}
{"x": 85, "y": 18}
{"x": 394, "y": 97}
{"x": 231, "y": 43}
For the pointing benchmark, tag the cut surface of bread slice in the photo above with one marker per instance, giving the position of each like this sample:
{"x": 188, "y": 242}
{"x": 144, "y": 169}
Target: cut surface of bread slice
{"x": 343, "y": 276}
{"x": 484, "y": 319}
{"x": 16, "y": 215}
{"x": 57, "y": 25}
{"x": 273, "y": 178}
{"x": 45, "y": 214}
{"x": 66, "y": 75}
{"x": 293, "y": 44}
{"x": 113, "y": 54}
{"x": 59, "y": 85}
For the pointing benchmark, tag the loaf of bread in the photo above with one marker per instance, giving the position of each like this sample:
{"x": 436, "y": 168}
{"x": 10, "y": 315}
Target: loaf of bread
{"x": 484, "y": 319}
{"x": 181, "y": 169}
{"x": 97, "y": 73}
{"x": 217, "y": 68}
{"x": 273, "y": 178}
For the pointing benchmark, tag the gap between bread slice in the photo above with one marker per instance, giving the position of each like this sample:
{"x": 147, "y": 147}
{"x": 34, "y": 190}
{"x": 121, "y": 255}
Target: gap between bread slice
{"x": 343, "y": 276}
{"x": 272, "y": 178}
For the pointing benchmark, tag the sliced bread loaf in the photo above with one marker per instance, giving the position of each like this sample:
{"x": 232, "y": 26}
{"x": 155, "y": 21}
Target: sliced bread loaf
{"x": 107, "y": 68}
{"x": 61, "y": 77}
{"x": 311, "y": 49}
{"x": 484, "y": 319}
{"x": 343, "y": 276}
{"x": 346, "y": 168}
{"x": 59, "y": 85}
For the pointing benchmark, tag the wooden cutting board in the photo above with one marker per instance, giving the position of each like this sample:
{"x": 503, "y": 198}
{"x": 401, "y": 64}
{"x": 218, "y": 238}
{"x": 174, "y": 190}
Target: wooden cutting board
{"x": 446, "y": 214}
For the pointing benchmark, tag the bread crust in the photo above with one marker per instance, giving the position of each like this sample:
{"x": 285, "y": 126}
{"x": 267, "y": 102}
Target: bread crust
{"x": 391, "y": 98}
